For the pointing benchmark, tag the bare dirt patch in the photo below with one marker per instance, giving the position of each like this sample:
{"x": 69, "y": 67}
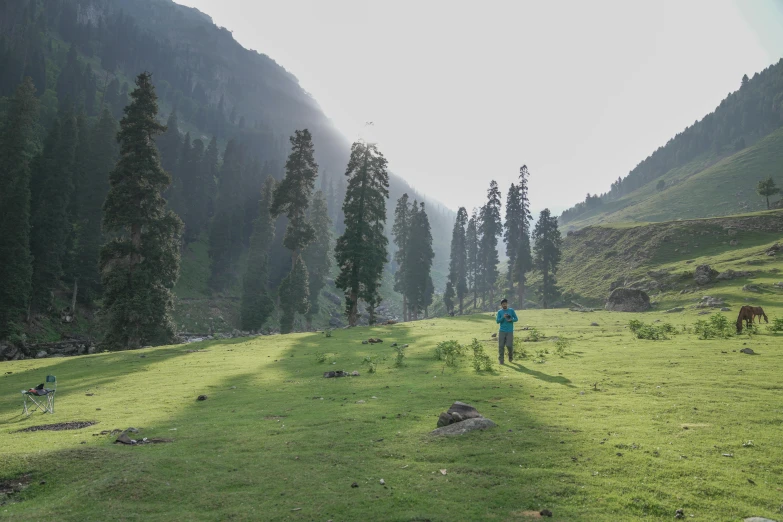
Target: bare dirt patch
{"x": 60, "y": 426}
{"x": 14, "y": 485}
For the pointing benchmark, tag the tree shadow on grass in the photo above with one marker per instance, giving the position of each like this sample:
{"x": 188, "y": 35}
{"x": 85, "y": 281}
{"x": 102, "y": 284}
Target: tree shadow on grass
{"x": 540, "y": 375}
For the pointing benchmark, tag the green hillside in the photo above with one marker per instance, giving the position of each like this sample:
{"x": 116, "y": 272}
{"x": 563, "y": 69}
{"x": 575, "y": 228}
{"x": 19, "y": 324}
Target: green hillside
{"x": 661, "y": 257}
{"x": 701, "y": 188}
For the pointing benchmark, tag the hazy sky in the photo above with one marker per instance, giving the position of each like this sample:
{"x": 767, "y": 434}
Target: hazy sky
{"x": 462, "y": 92}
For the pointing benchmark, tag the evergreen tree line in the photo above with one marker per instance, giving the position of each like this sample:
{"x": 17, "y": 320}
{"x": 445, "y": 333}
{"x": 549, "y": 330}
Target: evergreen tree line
{"x": 749, "y": 113}
{"x": 474, "y": 260}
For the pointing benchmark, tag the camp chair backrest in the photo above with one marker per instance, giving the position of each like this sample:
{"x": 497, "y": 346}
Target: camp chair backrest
{"x": 51, "y": 379}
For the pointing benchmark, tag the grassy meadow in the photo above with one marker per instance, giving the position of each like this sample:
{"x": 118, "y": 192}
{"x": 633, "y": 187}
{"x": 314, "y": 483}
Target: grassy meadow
{"x": 612, "y": 428}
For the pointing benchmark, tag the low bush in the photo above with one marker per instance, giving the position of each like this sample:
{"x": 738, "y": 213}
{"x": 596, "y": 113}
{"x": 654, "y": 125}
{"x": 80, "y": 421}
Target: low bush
{"x": 716, "y": 327}
{"x": 449, "y": 351}
{"x": 776, "y": 326}
{"x": 481, "y": 361}
{"x": 651, "y": 332}
{"x": 399, "y": 358}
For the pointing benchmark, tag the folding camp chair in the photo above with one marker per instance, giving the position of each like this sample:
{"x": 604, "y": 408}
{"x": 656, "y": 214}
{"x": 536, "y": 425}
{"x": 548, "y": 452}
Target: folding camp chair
{"x": 41, "y": 397}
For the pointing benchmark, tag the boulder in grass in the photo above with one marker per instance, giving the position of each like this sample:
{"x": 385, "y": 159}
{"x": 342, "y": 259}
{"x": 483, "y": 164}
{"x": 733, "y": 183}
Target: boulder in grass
{"x": 466, "y": 426}
{"x": 628, "y": 300}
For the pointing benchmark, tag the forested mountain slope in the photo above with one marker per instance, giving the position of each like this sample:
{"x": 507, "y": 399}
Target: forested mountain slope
{"x": 711, "y": 168}
{"x": 211, "y": 91}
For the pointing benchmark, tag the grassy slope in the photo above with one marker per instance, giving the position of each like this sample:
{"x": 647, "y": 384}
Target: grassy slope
{"x": 701, "y": 188}
{"x": 595, "y": 257}
{"x": 597, "y": 435}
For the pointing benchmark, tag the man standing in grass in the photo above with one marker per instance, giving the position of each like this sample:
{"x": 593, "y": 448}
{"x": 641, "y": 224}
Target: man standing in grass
{"x": 506, "y": 318}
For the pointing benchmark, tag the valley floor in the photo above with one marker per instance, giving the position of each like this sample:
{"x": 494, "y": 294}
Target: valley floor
{"x": 615, "y": 429}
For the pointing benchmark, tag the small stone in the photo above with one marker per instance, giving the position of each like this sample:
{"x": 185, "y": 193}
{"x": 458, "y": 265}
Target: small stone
{"x": 360, "y": 402}
{"x": 354, "y": 485}
{"x": 365, "y": 342}
{"x": 748, "y": 351}
{"x": 201, "y": 398}
{"x": 42, "y": 483}
{"x": 545, "y": 513}
{"x": 383, "y": 482}
{"x": 679, "y": 514}
{"x": 594, "y": 324}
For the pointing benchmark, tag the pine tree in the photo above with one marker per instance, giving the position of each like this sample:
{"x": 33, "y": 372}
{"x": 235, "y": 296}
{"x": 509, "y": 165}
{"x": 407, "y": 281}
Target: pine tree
{"x": 524, "y": 259}
{"x": 547, "y": 254}
{"x": 490, "y": 229}
{"x": 102, "y": 158}
{"x": 767, "y": 188}
{"x": 292, "y": 195}
{"x": 472, "y": 261}
{"x": 225, "y": 240}
{"x": 17, "y": 146}
{"x": 458, "y": 262}
{"x": 50, "y": 223}
{"x": 420, "y": 255}
{"x": 140, "y": 265}
{"x": 512, "y": 229}
{"x": 257, "y": 303}
{"x": 292, "y": 198}
{"x": 401, "y": 231}
{"x": 316, "y": 255}
{"x": 361, "y": 251}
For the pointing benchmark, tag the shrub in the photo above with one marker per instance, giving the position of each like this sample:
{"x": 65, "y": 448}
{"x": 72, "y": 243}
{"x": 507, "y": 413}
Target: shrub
{"x": 520, "y": 350}
{"x": 651, "y": 332}
{"x": 716, "y": 327}
{"x": 481, "y": 361}
{"x": 320, "y": 357}
{"x": 776, "y": 326}
{"x": 372, "y": 365}
{"x": 533, "y": 336}
{"x": 449, "y": 351}
{"x": 561, "y": 345}
{"x": 328, "y": 332}
{"x": 399, "y": 358}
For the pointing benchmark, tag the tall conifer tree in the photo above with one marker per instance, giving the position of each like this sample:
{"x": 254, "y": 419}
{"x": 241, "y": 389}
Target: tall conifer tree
{"x": 419, "y": 286}
{"x": 401, "y": 231}
{"x": 458, "y": 262}
{"x": 292, "y": 198}
{"x": 472, "y": 249}
{"x": 524, "y": 259}
{"x": 512, "y": 229}
{"x": 490, "y": 229}
{"x": 361, "y": 251}
{"x": 547, "y": 254}
{"x": 140, "y": 265}
{"x": 17, "y": 146}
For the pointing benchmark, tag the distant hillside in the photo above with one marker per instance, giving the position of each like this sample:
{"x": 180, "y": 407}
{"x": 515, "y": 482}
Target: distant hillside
{"x": 677, "y": 181}
{"x": 702, "y": 188}
{"x": 660, "y": 257}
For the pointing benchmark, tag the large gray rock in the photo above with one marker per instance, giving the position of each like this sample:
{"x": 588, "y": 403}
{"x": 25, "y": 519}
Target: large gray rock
{"x": 628, "y": 300}
{"x": 466, "y": 411}
{"x": 466, "y": 426}
{"x": 704, "y": 274}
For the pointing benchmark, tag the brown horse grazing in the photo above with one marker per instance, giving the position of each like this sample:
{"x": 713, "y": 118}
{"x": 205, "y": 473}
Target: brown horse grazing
{"x": 758, "y": 311}
{"x": 745, "y": 314}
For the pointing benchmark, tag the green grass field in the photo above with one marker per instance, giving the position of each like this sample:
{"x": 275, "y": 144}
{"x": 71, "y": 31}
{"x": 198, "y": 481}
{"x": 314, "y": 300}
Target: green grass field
{"x": 616, "y": 429}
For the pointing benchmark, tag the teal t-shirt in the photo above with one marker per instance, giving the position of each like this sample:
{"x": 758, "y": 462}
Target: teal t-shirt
{"x": 506, "y": 325}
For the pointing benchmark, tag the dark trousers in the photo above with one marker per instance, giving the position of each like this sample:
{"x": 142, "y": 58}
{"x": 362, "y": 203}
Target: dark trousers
{"x": 505, "y": 340}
